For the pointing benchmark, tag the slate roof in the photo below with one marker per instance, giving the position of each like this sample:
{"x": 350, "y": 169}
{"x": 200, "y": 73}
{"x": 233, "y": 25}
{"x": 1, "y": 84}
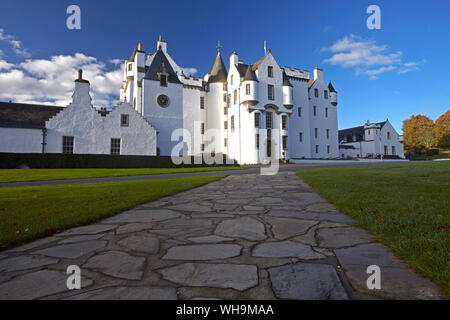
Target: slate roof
{"x": 219, "y": 72}
{"x": 26, "y": 116}
{"x": 331, "y": 88}
{"x": 242, "y": 68}
{"x": 356, "y": 131}
{"x": 250, "y": 74}
{"x": 256, "y": 65}
{"x": 157, "y": 66}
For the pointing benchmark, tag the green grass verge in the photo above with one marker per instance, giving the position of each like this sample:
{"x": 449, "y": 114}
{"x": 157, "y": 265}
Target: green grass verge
{"x": 25, "y": 175}
{"x": 405, "y": 206}
{"x": 27, "y": 213}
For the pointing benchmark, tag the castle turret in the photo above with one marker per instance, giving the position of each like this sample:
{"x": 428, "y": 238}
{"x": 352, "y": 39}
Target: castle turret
{"x": 287, "y": 92}
{"x": 333, "y": 95}
{"x": 249, "y": 87}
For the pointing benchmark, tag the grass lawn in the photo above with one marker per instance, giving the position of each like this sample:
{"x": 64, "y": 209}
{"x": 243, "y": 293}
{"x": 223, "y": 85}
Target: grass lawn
{"x": 27, "y": 213}
{"x": 405, "y": 206}
{"x": 24, "y": 175}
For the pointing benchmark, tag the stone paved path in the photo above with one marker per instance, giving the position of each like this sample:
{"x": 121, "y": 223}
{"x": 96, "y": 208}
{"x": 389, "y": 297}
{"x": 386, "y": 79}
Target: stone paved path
{"x": 245, "y": 237}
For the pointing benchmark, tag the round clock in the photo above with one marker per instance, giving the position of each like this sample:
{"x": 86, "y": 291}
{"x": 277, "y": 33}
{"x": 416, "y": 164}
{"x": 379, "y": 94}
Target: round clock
{"x": 163, "y": 101}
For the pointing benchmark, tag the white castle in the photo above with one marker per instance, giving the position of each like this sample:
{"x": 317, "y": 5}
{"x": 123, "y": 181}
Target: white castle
{"x": 249, "y": 113}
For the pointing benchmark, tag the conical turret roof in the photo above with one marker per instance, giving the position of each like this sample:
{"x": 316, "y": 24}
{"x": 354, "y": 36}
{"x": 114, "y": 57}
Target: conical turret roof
{"x": 250, "y": 75}
{"x": 331, "y": 88}
{"x": 219, "y": 72}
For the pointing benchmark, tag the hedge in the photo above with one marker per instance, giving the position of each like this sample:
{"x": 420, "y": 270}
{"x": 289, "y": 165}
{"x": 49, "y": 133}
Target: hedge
{"x": 88, "y": 161}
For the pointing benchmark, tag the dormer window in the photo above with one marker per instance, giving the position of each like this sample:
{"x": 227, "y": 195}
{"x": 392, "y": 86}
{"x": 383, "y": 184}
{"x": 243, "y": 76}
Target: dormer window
{"x": 316, "y": 93}
{"x": 124, "y": 120}
{"x": 270, "y": 72}
{"x": 163, "y": 80}
{"x": 163, "y": 76}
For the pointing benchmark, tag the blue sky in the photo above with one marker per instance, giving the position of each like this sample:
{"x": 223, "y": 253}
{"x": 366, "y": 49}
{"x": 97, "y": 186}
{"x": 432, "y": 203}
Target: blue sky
{"x": 392, "y": 73}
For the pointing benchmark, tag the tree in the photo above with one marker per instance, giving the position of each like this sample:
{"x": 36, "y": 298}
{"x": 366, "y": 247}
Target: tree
{"x": 418, "y": 132}
{"x": 442, "y": 130}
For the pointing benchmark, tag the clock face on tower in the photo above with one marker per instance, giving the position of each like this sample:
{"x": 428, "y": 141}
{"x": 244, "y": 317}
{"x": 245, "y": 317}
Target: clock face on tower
{"x": 163, "y": 101}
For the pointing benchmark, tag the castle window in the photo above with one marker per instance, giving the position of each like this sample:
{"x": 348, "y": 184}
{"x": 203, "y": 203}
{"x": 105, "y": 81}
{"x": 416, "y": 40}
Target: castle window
{"x": 301, "y": 136}
{"x": 393, "y": 151}
{"x": 257, "y": 120}
{"x": 202, "y": 102}
{"x": 224, "y": 97}
{"x": 68, "y": 145}
{"x": 229, "y": 100}
{"x": 130, "y": 67}
{"x": 203, "y": 147}
{"x": 225, "y": 111}
{"x": 269, "y": 120}
{"x": 271, "y": 92}
{"x": 225, "y": 125}
{"x": 232, "y": 123}
{"x": 385, "y": 150}
{"x": 325, "y": 94}
{"x": 326, "y": 112}
{"x": 124, "y": 120}
{"x": 203, "y": 128}
{"x": 317, "y": 148}
{"x": 284, "y": 122}
{"x": 269, "y": 148}
{"x": 247, "y": 89}
{"x": 368, "y": 132}
{"x": 316, "y": 93}
{"x": 299, "y": 112}
{"x": 163, "y": 80}
{"x": 270, "y": 72}
{"x": 316, "y": 133}
{"x": 389, "y": 136}
{"x": 225, "y": 86}
{"x": 285, "y": 142}
{"x": 232, "y": 79}
{"x": 235, "y": 96}
{"x": 257, "y": 141}
{"x": 328, "y": 133}
{"x": 225, "y": 142}
{"x": 315, "y": 111}
{"x": 115, "y": 147}
{"x": 328, "y": 149}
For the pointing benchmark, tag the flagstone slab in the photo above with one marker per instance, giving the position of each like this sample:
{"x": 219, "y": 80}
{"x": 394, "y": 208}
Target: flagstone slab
{"x": 141, "y": 243}
{"x": 342, "y": 237}
{"x": 93, "y": 229}
{"x": 134, "y": 227}
{"x": 33, "y": 245}
{"x": 286, "y": 249}
{"x": 72, "y": 251}
{"x": 306, "y": 281}
{"x": 84, "y": 238}
{"x": 144, "y": 216}
{"x": 37, "y": 285}
{"x": 25, "y": 262}
{"x": 190, "y": 207}
{"x": 287, "y": 228}
{"x": 117, "y": 264}
{"x": 244, "y": 228}
{"x": 210, "y": 239}
{"x": 128, "y": 294}
{"x": 203, "y": 252}
{"x": 232, "y": 276}
{"x": 187, "y": 223}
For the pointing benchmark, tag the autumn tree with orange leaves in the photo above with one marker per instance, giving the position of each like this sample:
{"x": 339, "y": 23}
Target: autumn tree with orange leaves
{"x": 418, "y": 132}
{"x": 442, "y": 130}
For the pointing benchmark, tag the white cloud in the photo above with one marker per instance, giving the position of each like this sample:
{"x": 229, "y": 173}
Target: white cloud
{"x": 5, "y": 65}
{"x": 189, "y": 71}
{"x": 115, "y": 62}
{"x": 51, "y": 81}
{"x": 367, "y": 57}
{"x": 15, "y": 44}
